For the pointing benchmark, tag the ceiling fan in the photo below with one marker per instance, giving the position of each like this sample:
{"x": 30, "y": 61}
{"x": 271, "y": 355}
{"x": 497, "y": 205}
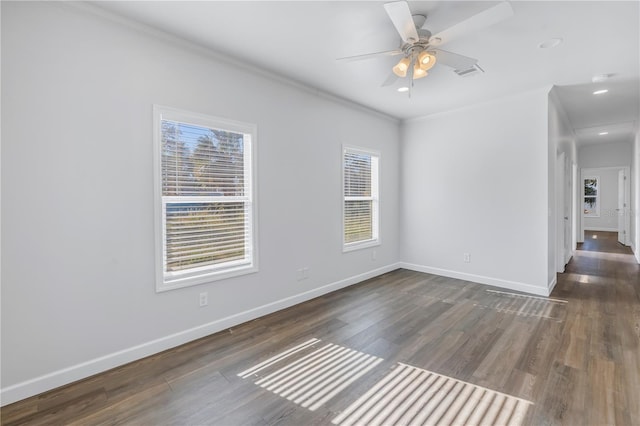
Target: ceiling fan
{"x": 420, "y": 49}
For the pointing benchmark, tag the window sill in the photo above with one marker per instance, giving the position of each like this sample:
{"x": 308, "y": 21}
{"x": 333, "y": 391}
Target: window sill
{"x": 360, "y": 245}
{"x": 204, "y": 278}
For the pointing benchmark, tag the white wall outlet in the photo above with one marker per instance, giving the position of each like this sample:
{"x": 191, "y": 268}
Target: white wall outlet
{"x": 374, "y": 255}
{"x": 302, "y": 273}
{"x": 467, "y": 258}
{"x": 204, "y": 299}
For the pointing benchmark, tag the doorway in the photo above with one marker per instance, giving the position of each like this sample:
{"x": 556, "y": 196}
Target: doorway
{"x": 605, "y": 202}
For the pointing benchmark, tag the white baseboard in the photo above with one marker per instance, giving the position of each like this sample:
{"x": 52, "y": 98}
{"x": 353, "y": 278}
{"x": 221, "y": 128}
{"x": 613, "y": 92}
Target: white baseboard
{"x": 597, "y": 228}
{"x": 511, "y": 285}
{"x": 80, "y": 371}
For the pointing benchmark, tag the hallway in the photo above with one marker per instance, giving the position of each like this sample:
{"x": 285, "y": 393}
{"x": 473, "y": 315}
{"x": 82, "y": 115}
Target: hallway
{"x": 598, "y": 365}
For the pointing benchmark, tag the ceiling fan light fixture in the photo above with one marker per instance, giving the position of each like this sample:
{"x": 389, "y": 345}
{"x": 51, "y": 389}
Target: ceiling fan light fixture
{"x": 426, "y": 60}
{"x": 400, "y": 69}
{"x": 418, "y": 71}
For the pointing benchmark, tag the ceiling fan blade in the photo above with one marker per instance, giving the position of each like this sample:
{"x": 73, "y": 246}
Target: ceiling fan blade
{"x": 370, "y": 55}
{"x": 392, "y": 78}
{"x": 453, "y": 60}
{"x": 400, "y": 15}
{"x": 484, "y": 19}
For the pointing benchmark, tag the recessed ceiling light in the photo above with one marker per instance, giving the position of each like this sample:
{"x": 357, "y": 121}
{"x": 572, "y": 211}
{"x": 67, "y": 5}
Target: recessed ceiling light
{"x": 603, "y": 133}
{"x": 403, "y": 89}
{"x": 552, "y": 42}
{"x": 600, "y": 92}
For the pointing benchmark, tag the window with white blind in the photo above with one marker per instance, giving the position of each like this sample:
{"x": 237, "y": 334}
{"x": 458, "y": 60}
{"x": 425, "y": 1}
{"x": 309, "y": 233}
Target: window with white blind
{"x": 204, "y": 198}
{"x": 592, "y": 196}
{"x": 361, "y": 203}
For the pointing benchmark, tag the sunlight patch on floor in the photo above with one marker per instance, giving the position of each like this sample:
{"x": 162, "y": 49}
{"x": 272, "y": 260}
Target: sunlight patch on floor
{"x": 279, "y": 357}
{"x": 525, "y": 305}
{"x": 316, "y": 377}
{"x": 412, "y": 396}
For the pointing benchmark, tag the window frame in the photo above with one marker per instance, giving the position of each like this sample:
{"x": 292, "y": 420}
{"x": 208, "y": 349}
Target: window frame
{"x": 597, "y": 196}
{"x": 204, "y": 274}
{"x": 375, "y": 198}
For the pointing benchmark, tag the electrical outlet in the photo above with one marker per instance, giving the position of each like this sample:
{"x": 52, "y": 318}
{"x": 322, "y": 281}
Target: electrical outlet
{"x": 302, "y": 273}
{"x": 374, "y": 255}
{"x": 467, "y": 258}
{"x": 204, "y": 299}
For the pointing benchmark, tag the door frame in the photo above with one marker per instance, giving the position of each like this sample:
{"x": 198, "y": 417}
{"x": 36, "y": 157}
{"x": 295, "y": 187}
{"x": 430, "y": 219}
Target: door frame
{"x": 569, "y": 202}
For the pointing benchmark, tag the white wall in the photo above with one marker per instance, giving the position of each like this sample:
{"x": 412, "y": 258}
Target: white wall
{"x": 610, "y": 154}
{"x": 475, "y": 181}
{"x": 77, "y": 185}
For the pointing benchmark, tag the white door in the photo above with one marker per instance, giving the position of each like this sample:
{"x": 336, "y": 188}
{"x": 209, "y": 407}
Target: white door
{"x": 622, "y": 237}
{"x": 568, "y": 229}
{"x": 560, "y": 213}
{"x": 574, "y": 207}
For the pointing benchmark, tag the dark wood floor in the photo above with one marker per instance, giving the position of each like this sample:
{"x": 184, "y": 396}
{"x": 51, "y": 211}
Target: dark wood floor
{"x": 404, "y": 348}
{"x": 603, "y": 242}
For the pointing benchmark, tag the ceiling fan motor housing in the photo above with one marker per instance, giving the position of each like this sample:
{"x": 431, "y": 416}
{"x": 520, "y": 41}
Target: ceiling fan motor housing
{"x": 425, "y": 35}
{"x": 414, "y": 48}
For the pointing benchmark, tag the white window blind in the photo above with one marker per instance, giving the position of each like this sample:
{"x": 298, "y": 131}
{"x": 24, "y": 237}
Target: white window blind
{"x": 206, "y": 201}
{"x": 360, "y": 180}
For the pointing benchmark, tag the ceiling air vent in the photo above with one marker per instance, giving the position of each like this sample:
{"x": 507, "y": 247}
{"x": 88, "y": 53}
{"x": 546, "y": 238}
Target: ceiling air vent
{"x": 468, "y": 72}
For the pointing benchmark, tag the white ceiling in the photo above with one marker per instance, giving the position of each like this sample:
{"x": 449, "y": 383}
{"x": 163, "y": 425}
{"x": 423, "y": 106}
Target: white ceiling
{"x": 302, "y": 39}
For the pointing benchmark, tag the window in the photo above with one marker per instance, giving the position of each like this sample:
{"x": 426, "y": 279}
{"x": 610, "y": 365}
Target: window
{"x": 204, "y": 198}
{"x": 591, "y": 196}
{"x": 361, "y": 210}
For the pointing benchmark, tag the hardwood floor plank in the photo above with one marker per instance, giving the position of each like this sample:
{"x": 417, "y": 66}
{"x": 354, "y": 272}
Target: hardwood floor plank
{"x": 494, "y": 369}
{"x": 603, "y": 404}
{"x": 129, "y": 410}
{"x": 559, "y": 386}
